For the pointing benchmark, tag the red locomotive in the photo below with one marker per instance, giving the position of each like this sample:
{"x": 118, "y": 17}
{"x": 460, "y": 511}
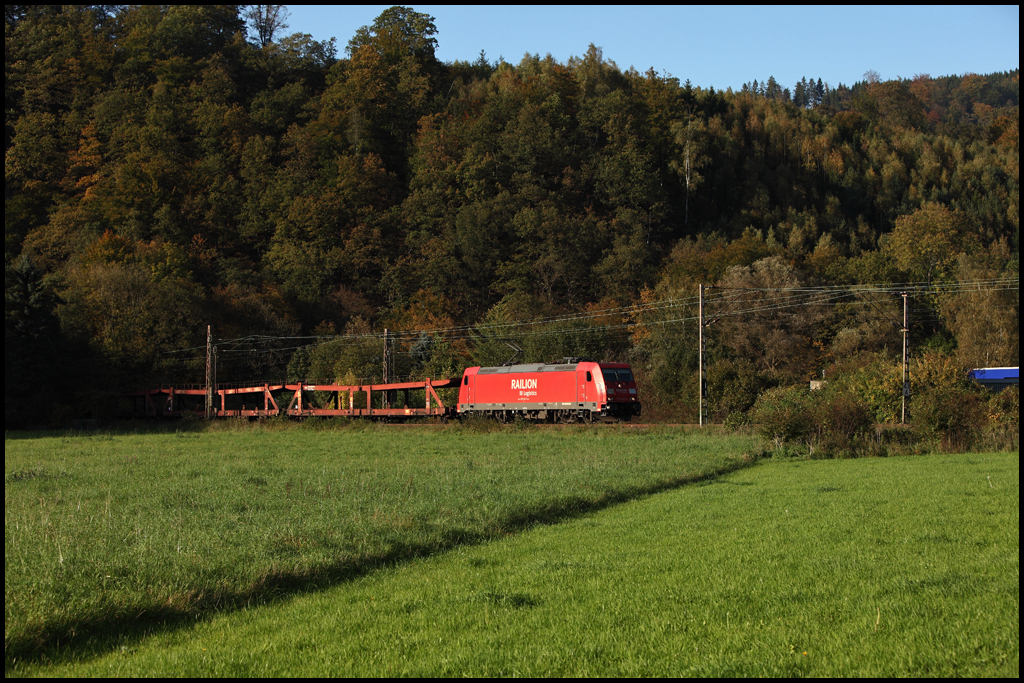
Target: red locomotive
{"x": 567, "y": 392}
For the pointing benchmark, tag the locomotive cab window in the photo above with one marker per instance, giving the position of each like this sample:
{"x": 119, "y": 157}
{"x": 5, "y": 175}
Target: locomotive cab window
{"x": 590, "y": 378}
{"x": 465, "y": 380}
{"x": 617, "y": 375}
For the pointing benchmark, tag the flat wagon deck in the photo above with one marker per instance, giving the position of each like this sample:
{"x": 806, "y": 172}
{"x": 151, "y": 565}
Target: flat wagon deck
{"x": 294, "y": 400}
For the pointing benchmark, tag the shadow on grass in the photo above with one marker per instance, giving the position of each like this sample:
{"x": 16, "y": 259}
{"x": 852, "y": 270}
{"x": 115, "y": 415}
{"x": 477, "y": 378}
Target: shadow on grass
{"x": 112, "y": 629}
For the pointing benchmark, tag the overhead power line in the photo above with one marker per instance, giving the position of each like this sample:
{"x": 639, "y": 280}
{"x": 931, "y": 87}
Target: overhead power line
{"x": 760, "y": 300}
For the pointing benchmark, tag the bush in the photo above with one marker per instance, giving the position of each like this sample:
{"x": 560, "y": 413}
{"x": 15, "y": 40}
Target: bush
{"x": 733, "y": 386}
{"x": 833, "y": 423}
{"x": 955, "y": 415}
{"x": 844, "y": 417}
{"x": 1004, "y": 420}
{"x": 874, "y": 380}
{"x": 736, "y": 420}
{"x": 784, "y": 414}
{"x": 877, "y": 381}
{"x": 843, "y": 422}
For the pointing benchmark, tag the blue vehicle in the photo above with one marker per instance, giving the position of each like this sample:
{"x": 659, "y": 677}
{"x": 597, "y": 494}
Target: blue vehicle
{"x": 996, "y": 379}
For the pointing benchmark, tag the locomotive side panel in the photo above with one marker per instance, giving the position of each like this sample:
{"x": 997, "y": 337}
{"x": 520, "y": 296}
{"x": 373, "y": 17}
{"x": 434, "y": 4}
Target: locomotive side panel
{"x": 566, "y": 392}
{"x": 523, "y": 391}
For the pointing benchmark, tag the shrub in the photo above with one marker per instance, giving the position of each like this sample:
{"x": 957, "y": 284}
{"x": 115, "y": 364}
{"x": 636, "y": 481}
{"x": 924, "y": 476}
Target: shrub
{"x": 844, "y": 417}
{"x": 877, "y": 383}
{"x": 1004, "y": 419}
{"x": 843, "y": 421}
{"x": 955, "y": 415}
{"x": 784, "y": 414}
{"x": 733, "y": 386}
{"x": 736, "y": 420}
{"x": 833, "y": 422}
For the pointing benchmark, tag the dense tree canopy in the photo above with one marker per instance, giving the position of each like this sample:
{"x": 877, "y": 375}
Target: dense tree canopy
{"x": 165, "y": 170}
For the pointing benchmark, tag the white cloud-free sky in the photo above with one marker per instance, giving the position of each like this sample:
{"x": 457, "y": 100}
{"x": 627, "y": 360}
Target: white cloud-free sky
{"x": 715, "y": 46}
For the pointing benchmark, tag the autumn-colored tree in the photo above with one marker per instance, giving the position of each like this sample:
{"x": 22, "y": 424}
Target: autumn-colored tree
{"x": 926, "y": 243}
{"x": 984, "y": 315}
{"x": 776, "y": 332}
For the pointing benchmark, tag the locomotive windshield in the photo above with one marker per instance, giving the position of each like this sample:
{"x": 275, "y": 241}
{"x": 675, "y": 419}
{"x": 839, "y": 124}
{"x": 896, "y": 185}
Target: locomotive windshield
{"x": 617, "y": 374}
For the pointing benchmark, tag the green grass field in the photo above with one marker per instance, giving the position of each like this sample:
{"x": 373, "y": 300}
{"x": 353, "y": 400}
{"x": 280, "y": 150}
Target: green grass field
{"x": 110, "y": 535}
{"x": 872, "y": 567}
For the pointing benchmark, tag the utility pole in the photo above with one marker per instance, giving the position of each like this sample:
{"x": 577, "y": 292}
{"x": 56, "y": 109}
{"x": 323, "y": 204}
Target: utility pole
{"x": 904, "y": 328}
{"x": 209, "y": 371}
{"x": 906, "y": 363}
{"x": 702, "y": 401}
{"x": 215, "y": 382}
{"x": 388, "y": 367}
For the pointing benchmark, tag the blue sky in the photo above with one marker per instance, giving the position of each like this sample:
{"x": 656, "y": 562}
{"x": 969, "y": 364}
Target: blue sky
{"x": 716, "y": 46}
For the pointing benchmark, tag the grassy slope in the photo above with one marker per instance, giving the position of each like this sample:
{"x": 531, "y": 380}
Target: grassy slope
{"x": 109, "y": 534}
{"x": 901, "y": 566}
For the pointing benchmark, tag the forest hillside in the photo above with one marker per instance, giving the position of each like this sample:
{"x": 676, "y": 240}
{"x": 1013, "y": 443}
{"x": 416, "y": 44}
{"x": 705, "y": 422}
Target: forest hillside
{"x": 173, "y": 167}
